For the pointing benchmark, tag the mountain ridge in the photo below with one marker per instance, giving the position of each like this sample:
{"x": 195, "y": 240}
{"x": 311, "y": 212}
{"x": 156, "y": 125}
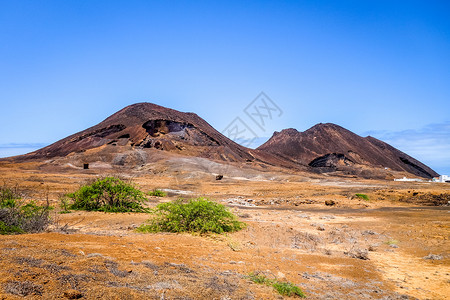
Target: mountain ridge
{"x": 327, "y": 145}
{"x": 131, "y": 135}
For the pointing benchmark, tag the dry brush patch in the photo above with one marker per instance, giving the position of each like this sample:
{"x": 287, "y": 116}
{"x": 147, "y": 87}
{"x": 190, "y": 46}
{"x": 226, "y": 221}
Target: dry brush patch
{"x": 51, "y": 273}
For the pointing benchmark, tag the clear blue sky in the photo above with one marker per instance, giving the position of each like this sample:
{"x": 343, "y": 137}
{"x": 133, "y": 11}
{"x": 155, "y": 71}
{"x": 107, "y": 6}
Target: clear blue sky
{"x": 373, "y": 67}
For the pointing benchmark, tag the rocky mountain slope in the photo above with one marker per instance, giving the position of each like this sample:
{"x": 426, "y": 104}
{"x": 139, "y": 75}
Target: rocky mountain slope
{"x": 144, "y": 126}
{"x": 144, "y": 132}
{"x": 329, "y": 147}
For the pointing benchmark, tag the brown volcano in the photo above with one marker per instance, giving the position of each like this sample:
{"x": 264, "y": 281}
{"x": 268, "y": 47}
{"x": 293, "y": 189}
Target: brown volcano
{"x": 145, "y": 126}
{"x": 329, "y": 147}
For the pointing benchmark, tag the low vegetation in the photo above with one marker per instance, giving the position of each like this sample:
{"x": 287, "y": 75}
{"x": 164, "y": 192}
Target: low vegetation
{"x": 362, "y": 196}
{"x": 109, "y": 194}
{"x": 283, "y": 288}
{"x": 392, "y": 242}
{"x": 16, "y": 216}
{"x": 196, "y": 216}
{"x": 259, "y": 278}
{"x": 64, "y": 204}
{"x": 157, "y": 193}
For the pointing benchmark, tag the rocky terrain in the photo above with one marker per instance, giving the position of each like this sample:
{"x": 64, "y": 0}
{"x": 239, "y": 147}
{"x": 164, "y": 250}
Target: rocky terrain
{"x": 330, "y": 148}
{"x": 143, "y": 133}
{"x": 381, "y": 248}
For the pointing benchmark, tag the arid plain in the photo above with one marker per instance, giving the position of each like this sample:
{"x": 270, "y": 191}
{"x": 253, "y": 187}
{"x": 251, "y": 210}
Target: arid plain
{"x": 393, "y": 246}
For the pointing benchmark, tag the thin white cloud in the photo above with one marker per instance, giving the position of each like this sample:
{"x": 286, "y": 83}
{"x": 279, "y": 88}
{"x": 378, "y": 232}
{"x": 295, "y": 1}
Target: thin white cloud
{"x": 430, "y": 145}
{"x": 12, "y": 149}
{"x": 22, "y": 145}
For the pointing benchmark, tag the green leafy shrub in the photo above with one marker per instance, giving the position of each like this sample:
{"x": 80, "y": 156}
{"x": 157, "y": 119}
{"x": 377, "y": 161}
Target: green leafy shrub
{"x": 109, "y": 194}
{"x": 19, "y": 217}
{"x": 8, "y": 197}
{"x": 259, "y": 279}
{"x": 283, "y": 288}
{"x": 196, "y": 215}
{"x": 157, "y": 193}
{"x": 64, "y": 204}
{"x": 362, "y": 196}
{"x": 288, "y": 289}
{"x": 9, "y": 229}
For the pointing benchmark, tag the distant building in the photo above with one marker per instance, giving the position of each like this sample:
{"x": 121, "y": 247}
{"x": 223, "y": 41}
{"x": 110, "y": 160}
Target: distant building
{"x": 409, "y": 179}
{"x": 443, "y": 178}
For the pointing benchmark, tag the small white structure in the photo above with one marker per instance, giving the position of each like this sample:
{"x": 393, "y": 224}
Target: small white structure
{"x": 443, "y": 178}
{"x": 409, "y": 179}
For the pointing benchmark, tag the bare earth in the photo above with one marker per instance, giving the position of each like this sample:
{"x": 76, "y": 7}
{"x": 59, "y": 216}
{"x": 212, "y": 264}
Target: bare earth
{"x": 355, "y": 249}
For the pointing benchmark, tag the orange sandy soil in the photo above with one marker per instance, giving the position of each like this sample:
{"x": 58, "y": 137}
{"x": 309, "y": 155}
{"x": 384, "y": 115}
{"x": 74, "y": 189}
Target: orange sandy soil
{"x": 291, "y": 236}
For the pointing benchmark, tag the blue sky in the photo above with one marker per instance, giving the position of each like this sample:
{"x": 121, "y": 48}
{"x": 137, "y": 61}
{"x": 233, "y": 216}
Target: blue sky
{"x": 373, "y": 67}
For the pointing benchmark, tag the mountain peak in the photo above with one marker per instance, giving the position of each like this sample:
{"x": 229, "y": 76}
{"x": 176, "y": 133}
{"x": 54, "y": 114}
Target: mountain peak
{"x": 288, "y": 131}
{"x": 143, "y": 126}
{"x": 326, "y": 127}
{"x": 330, "y": 147}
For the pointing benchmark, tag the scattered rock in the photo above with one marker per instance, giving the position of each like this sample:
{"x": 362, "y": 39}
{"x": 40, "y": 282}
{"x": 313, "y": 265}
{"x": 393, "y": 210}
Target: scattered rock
{"x": 318, "y": 226}
{"x": 372, "y": 248}
{"x": 330, "y": 202}
{"x": 239, "y": 201}
{"x": 132, "y": 227}
{"x": 315, "y": 275}
{"x": 72, "y": 294}
{"x": 305, "y": 216}
{"x": 232, "y": 262}
{"x": 227, "y": 273}
{"x": 433, "y": 257}
{"x": 327, "y": 217}
{"x": 165, "y": 285}
{"x": 280, "y": 275}
{"x": 219, "y": 177}
{"x": 94, "y": 255}
{"x": 358, "y": 253}
{"x": 245, "y": 215}
{"x": 369, "y": 232}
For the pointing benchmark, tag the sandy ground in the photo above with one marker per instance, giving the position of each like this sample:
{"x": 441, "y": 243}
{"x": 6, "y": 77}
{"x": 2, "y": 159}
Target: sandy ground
{"x": 355, "y": 249}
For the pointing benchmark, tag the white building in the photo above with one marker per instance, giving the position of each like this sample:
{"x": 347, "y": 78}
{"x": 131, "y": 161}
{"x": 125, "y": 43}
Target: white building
{"x": 444, "y": 178}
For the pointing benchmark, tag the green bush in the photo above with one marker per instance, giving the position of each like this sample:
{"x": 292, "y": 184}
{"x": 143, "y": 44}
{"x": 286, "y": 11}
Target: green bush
{"x": 8, "y": 197}
{"x": 362, "y": 196}
{"x": 288, "y": 289}
{"x": 196, "y": 215}
{"x": 9, "y": 229}
{"x": 109, "y": 194}
{"x": 259, "y": 279}
{"x": 64, "y": 204}
{"x": 157, "y": 193}
{"x": 283, "y": 288}
{"x": 17, "y": 217}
